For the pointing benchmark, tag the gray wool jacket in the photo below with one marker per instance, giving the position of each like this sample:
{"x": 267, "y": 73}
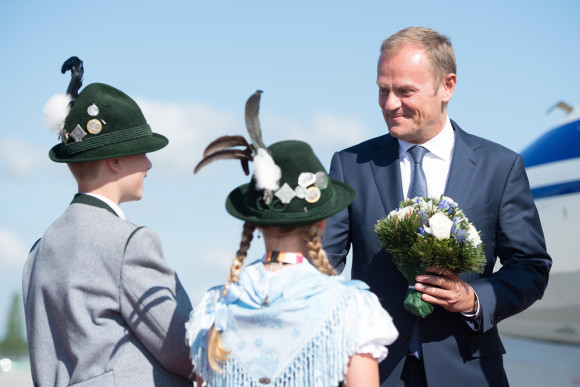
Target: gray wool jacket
{"x": 102, "y": 307}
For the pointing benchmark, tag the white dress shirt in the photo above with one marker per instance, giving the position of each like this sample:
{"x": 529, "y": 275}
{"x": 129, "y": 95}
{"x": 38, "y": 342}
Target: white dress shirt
{"x": 435, "y": 163}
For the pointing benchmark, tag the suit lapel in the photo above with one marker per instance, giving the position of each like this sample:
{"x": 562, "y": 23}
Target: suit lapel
{"x": 464, "y": 167}
{"x": 384, "y": 162}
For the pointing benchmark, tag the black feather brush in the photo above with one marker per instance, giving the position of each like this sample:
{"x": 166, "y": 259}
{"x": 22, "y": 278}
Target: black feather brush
{"x": 75, "y": 65}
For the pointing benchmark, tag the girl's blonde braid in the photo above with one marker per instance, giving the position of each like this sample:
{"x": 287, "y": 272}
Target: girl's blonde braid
{"x": 317, "y": 253}
{"x": 215, "y": 352}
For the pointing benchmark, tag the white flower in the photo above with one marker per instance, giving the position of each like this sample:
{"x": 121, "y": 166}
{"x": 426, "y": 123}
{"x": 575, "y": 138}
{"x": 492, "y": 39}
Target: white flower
{"x": 401, "y": 213}
{"x": 439, "y": 226}
{"x": 473, "y": 236}
{"x": 423, "y": 205}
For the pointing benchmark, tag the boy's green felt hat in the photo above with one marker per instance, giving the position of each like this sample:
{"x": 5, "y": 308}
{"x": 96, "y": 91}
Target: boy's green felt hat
{"x": 306, "y": 193}
{"x": 103, "y": 123}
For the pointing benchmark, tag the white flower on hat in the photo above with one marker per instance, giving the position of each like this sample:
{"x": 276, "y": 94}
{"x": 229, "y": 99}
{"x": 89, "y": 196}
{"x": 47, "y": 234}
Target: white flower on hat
{"x": 55, "y": 111}
{"x": 266, "y": 173}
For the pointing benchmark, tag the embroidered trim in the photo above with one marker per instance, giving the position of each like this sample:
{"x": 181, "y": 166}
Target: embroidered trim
{"x": 283, "y": 257}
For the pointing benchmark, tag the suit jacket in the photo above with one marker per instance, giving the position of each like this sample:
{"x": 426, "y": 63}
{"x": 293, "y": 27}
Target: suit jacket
{"x": 102, "y": 307}
{"x": 490, "y": 185}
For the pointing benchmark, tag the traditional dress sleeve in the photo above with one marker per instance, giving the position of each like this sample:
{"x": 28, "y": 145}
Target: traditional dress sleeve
{"x": 375, "y": 325}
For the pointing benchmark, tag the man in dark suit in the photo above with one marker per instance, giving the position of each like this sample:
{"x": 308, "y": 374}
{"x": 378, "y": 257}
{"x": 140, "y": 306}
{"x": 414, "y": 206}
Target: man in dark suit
{"x": 458, "y": 344}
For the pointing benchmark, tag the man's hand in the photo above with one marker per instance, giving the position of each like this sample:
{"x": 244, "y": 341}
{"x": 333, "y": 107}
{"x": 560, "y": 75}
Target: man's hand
{"x": 447, "y": 290}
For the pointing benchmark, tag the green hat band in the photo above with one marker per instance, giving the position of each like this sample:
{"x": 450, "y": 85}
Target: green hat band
{"x": 293, "y": 212}
{"x": 73, "y": 148}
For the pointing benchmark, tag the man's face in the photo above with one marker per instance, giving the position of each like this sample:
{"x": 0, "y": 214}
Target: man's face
{"x": 413, "y": 104}
{"x": 134, "y": 170}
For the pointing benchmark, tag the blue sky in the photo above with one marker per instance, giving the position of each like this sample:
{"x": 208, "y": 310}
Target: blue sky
{"x": 191, "y": 65}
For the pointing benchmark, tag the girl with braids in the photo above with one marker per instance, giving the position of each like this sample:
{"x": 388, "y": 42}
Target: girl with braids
{"x": 285, "y": 319}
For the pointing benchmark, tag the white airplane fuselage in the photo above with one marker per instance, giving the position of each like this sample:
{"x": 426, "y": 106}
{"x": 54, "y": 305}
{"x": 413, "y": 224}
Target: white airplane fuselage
{"x": 553, "y": 169}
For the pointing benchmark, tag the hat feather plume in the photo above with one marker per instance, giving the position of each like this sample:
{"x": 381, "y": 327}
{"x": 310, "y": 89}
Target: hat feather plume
{"x": 223, "y": 154}
{"x": 252, "y": 121}
{"x": 55, "y": 111}
{"x": 266, "y": 172}
{"x": 58, "y": 106}
{"x": 75, "y": 65}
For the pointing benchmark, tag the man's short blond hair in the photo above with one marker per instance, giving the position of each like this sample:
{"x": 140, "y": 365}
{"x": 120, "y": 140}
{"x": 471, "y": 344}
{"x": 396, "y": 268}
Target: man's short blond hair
{"x": 437, "y": 46}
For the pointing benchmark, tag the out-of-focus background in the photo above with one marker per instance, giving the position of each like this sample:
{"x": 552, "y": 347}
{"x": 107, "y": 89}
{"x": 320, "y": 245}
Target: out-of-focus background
{"x": 191, "y": 65}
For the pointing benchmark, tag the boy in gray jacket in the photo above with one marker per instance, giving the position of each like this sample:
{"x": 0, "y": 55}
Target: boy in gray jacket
{"x": 102, "y": 306}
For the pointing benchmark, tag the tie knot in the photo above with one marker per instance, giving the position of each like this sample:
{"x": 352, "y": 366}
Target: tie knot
{"x": 417, "y": 152}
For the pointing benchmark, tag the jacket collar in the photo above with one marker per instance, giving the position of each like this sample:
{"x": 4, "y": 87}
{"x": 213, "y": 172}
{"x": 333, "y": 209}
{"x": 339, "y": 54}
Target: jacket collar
{"x": 92, "y": 201}
{"x": 384, "y": 162}
{"x": 464, "y": 167}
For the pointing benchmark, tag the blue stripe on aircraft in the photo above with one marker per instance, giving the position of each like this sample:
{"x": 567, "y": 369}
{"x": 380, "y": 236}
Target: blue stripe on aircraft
{"x": 561, "y": 143}
{"x": 556, "y": 189}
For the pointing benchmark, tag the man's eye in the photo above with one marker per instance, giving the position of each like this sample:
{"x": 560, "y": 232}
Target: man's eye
{"x": 383, "y": 91}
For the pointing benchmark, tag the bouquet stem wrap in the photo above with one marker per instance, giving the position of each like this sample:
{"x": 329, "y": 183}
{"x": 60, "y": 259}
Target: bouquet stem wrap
{"x": 413, "y": 302}
{"x": 429, "y": 232}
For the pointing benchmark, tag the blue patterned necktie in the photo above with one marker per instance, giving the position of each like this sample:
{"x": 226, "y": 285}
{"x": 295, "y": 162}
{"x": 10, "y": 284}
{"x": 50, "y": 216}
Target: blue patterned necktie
{"x": 418, "y": 186}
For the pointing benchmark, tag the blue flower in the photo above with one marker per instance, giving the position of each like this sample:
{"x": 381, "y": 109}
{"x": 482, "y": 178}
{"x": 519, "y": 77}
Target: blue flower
{"x": 443, "y": 205}
{"x": 423, "y": 218}
{"x": 461, "y": 236}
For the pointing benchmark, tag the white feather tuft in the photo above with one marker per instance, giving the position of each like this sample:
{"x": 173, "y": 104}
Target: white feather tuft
{"x": 266, "y": 172}
{"x": 55, "y": 111}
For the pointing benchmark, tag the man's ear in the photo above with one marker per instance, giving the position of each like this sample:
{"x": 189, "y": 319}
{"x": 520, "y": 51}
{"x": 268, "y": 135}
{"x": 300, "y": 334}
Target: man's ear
{"x": 114, "y": 165}
{"x": 448, "y": 82}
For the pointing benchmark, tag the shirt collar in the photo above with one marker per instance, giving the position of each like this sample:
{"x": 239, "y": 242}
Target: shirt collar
{"x": 110, "y": 203}
{"x": 440, "y": 146}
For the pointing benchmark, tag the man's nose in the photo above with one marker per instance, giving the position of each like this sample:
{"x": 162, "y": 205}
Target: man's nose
{"x": 391, "y": 102}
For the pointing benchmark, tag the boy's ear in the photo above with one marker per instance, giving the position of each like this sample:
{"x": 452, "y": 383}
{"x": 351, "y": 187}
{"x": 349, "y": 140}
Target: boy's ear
{"x": 113, "y": 164}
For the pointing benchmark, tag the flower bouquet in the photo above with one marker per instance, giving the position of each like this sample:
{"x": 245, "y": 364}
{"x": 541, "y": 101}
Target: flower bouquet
{"x": 429, "y": 232}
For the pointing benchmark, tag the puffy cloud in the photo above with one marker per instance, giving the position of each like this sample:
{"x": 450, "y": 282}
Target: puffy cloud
{"x": 190, "y": 127}
{"x": 338, "y": 130}
{"x": 12, "y": 251}
{"x": 323, "y": 131}
{"x": 17, "y": 158}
